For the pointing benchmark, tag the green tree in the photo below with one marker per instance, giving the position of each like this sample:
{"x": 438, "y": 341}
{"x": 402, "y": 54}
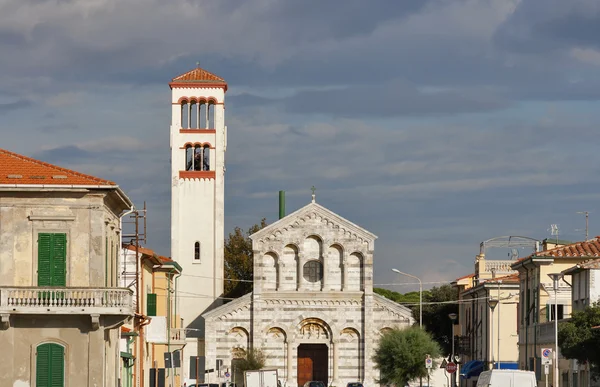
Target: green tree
{"x": 400, "y": 355}
{"x": 239, "y": 261}
{"x": 577, "y": 338}
{"x": 254, "y": 360}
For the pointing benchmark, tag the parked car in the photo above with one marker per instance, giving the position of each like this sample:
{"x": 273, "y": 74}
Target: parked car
{"x": 314, "y": 383}
{"x": 354, "y": 384}
{"x": 507, "y": 378}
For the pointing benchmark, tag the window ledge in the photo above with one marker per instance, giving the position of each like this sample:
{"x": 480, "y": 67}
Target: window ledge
{"x": 206, "y": 131}
{"x": 197, "y": 174}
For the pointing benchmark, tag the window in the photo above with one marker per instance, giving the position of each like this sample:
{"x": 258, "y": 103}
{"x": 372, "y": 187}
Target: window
{"x": 206, "y": 160}
{"x": 52, "y": 259}
{"x": 151, "y": 304}
{"x": 197, "y": 251}
{"x": 50, "y": 365}
{"x": 550, "y": 312}
{"x": 313, "y": 271}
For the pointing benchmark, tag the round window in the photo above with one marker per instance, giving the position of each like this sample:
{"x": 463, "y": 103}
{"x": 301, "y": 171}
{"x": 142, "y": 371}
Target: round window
{"x": 313, "y": 271}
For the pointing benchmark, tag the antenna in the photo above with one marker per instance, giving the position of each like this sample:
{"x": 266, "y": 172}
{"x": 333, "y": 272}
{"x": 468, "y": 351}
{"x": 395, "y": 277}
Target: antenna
{"x": 554, "y": 231}
{"x": 587, "y": 214}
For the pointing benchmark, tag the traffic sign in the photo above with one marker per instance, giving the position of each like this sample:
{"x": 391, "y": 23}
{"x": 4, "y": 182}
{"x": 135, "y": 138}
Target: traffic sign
{"x": 227, "y": 374}
{"x": 451, "y": 367}
{"x": 428, "y": 363}
{"x": 444, "y": 364}
{"x": 546, "y": 355}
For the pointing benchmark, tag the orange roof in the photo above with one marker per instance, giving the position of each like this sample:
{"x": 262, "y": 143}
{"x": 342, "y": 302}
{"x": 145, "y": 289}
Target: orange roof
{"x": 506, "y": 278}
{"x": 199, "y": 78}
{"x": 466, "y": 276}
{"x": 575, "y": 250}
{"x": 16, "y": 169}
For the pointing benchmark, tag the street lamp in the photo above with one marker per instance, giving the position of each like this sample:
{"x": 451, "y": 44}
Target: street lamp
{"x": 420, "y": 294}
{"x": 555, "y": 277}
{"x": 453, "y": 317}
{"x": 492, "y": 304}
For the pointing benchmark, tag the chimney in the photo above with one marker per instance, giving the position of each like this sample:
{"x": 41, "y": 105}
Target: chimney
{"x": 281, "y": 204}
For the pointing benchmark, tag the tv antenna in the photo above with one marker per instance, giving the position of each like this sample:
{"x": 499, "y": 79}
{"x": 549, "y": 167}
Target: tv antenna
{"x": 554, "y": 231}
{"x": 587, "y": 215}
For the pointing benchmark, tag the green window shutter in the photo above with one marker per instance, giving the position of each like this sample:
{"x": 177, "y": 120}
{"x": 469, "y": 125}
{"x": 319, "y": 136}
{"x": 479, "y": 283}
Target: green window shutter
{"x": 50, "y": 365}
{"x": 547, "y": 312}
{"x": 59, "y": 272}
{"x": 44, "y": 259}
{"x": 151, "y": 304}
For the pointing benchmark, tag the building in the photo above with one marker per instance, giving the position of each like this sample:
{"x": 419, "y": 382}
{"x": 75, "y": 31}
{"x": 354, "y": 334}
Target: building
{"x": 156, "y": 328}
{"x": 312, "y": 312}
{"x": 487, "y": 338}
{"x": 60, "y": 301}
{"x": 537, "y": 309}
{"x": 198, "y": 140}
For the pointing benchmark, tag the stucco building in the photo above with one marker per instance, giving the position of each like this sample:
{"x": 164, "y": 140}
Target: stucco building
{"x": 313, "y": 312}
{"x": 60, "y": 302}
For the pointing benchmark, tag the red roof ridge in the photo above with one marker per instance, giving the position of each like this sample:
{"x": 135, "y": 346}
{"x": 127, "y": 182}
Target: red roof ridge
{"x": 6, "y": 165}
{"x": 579, "y": 249}
{"x": 198, "y": 74}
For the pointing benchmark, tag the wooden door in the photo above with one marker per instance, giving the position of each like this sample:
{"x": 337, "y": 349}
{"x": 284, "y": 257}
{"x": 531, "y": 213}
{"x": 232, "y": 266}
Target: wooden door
{"x": 312, "y": 363}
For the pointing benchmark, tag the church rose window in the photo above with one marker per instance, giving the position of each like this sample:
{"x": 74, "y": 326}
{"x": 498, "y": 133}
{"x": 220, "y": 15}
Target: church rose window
{"x": 313, "y": 271}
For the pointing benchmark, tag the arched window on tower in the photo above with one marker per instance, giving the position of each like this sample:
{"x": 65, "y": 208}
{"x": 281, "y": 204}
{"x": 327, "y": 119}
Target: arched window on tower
{"x": 185, "y": 115}
{"x": 189, "y": 158}
{"x": 206, "y": 162}
{"x": 197, "y": 251}
{"x": 197, "y": 158}
{"x": 193, "y": 115}
{"x": 202, "y": 122}
{"x": 211, "y": 115}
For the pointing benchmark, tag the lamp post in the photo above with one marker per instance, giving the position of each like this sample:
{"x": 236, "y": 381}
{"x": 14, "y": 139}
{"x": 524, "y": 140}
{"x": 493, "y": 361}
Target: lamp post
{"x": 420, "y": 294}
{"x": 492, "y": 304}
{"x": 453, "y": 317}
{"x": 555, "y": 277}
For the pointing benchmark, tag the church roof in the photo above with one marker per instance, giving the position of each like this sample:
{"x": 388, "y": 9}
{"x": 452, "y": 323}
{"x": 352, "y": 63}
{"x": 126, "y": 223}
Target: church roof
{"x": 198, "y": 77}
{"x": 16, "y": 169}
{"x": 317, "y": 209}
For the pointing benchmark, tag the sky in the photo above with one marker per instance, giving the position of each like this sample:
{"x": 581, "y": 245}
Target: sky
{"x": 434, "y": 124}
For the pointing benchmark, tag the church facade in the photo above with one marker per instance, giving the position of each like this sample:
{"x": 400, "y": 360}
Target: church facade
{"x": 312, "y": 312}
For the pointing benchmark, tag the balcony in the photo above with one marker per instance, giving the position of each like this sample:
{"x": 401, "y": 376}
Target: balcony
{"x": 499, "y": 266}
{"x": 178, "y": 336}
{"x": 53, "y": 300}
{"x": 158, "y": 333}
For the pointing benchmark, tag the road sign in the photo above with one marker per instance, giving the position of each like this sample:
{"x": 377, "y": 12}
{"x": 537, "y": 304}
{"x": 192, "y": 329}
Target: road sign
{"x": 444, "y": 364}
{"x": 546, "y": 369}
{"x": 428, "y": 363}
{"x": 546, "y": 355}
{"x": 227, "y": 374}
{"x": 451, "y": 367}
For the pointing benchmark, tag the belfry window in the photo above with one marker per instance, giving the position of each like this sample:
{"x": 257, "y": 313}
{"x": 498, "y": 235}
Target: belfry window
{"x": 206, "y": 160}
{"x": 185, "y": 115}
{"x": 197, "y": 251}
{"x": 197, "y": 157}
{"x": 313, "y": 271}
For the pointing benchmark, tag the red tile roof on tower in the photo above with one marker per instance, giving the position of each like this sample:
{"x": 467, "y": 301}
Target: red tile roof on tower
{"x": 16, "y": 169}
{"x": 590, "y": 248}
{"x": 200, "y": 78}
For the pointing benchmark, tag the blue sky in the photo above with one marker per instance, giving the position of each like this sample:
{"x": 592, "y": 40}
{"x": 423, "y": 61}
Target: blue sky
{"x": 435, "y": 124}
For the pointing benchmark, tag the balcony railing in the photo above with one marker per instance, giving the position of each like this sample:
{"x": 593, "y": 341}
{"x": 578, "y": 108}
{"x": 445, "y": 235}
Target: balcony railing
{"x": 500, "y": 266}
{"x": 177, "y": 336}
{"x": 42, "y": 300}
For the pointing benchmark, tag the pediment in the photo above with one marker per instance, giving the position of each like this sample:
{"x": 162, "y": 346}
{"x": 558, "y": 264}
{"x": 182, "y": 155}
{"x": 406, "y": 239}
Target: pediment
{"x": 309, "y": 216}
{"x": 230, "y": 309}
{"x": 399, "y": 312}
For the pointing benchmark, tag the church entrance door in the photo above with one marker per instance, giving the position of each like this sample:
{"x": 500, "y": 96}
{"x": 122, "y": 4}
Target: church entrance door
{"x": 312, "y": 363}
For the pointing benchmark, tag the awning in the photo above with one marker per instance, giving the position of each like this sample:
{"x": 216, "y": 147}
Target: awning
{"x": 126, "y": 355}
{"x": 471, "y": 368}
{"x": 507, "y": 365}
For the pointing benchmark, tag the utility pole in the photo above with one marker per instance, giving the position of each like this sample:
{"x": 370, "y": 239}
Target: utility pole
{"x": 587, "y": 214}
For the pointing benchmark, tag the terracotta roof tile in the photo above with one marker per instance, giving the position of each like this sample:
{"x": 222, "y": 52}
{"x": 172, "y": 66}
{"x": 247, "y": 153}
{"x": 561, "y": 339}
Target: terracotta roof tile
{"x": 590, "y": 248}
{"x": 198, "y": 75}
{"x": 19, "y": 169}
{"x": 465, "y": 276}
{"x": 505, "y": 279}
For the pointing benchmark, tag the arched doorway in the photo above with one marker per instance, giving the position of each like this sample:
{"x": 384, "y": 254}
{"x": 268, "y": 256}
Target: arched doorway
{"x": 313, "y": 363}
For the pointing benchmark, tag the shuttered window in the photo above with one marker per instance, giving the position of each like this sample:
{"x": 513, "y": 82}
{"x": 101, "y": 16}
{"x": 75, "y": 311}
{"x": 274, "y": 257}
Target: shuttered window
{"x": 151, "y": 304}
{"x": 50, "y": 365}
{"x": 52, "y": 259}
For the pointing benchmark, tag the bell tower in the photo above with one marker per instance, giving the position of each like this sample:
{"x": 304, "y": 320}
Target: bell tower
{"x": 198, "y": 140}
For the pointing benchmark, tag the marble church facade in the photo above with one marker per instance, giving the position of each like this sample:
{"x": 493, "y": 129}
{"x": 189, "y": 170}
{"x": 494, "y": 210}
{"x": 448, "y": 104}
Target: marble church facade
{"x": 312, "y": 313}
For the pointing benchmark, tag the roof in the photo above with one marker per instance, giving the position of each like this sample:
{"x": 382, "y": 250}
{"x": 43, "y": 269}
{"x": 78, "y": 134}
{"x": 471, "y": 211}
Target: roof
{"x": 150, "y": 253}
{"x": 16, "y": 169}
{"x": 465, "y": 276}
{"x": 589, "y": 248}
{"x": 590, "y": 264}
{"x": 505, "y": 279}
{"x": 198, "y": 77}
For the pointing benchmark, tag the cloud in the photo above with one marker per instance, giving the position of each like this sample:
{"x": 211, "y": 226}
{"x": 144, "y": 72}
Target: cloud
{"x": 16, "y": 105}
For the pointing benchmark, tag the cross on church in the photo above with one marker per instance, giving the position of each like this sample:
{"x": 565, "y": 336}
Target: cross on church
{"x": 313, "y": 189}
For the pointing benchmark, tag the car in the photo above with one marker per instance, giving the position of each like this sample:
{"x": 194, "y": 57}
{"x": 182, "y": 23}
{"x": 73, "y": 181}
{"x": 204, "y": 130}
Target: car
{"x": 212, "y": 385}
{"x": 314, "y": 383}
{"x": 354, "y": 384}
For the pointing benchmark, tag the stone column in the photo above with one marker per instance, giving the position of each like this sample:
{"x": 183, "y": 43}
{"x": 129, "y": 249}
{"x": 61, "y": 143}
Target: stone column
{"x": 290, "y": 362}
{"x": 335, "y": 381}
{"x": 345, "y": 272}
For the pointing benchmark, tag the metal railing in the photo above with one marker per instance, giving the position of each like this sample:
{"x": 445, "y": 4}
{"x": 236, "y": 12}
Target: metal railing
{"x": 34, "y": 299}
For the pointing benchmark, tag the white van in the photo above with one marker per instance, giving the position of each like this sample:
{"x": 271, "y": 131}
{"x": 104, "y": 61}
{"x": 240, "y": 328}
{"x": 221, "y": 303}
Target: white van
{"x": 507, "y": 378}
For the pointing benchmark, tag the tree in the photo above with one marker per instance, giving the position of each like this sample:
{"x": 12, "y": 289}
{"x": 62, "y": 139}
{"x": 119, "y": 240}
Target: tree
{"x": 435, "y": 315}
{"x": 577, "y": 338}
{"x": 400, "y": 355}
{"x": 254, "y": 360}
{"x": 239, "y": 261}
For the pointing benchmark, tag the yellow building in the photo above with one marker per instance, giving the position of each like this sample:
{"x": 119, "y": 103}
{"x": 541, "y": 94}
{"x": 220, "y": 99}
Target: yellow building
{"x": 537, "y": 309}
{"x": 157, "y": 328}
